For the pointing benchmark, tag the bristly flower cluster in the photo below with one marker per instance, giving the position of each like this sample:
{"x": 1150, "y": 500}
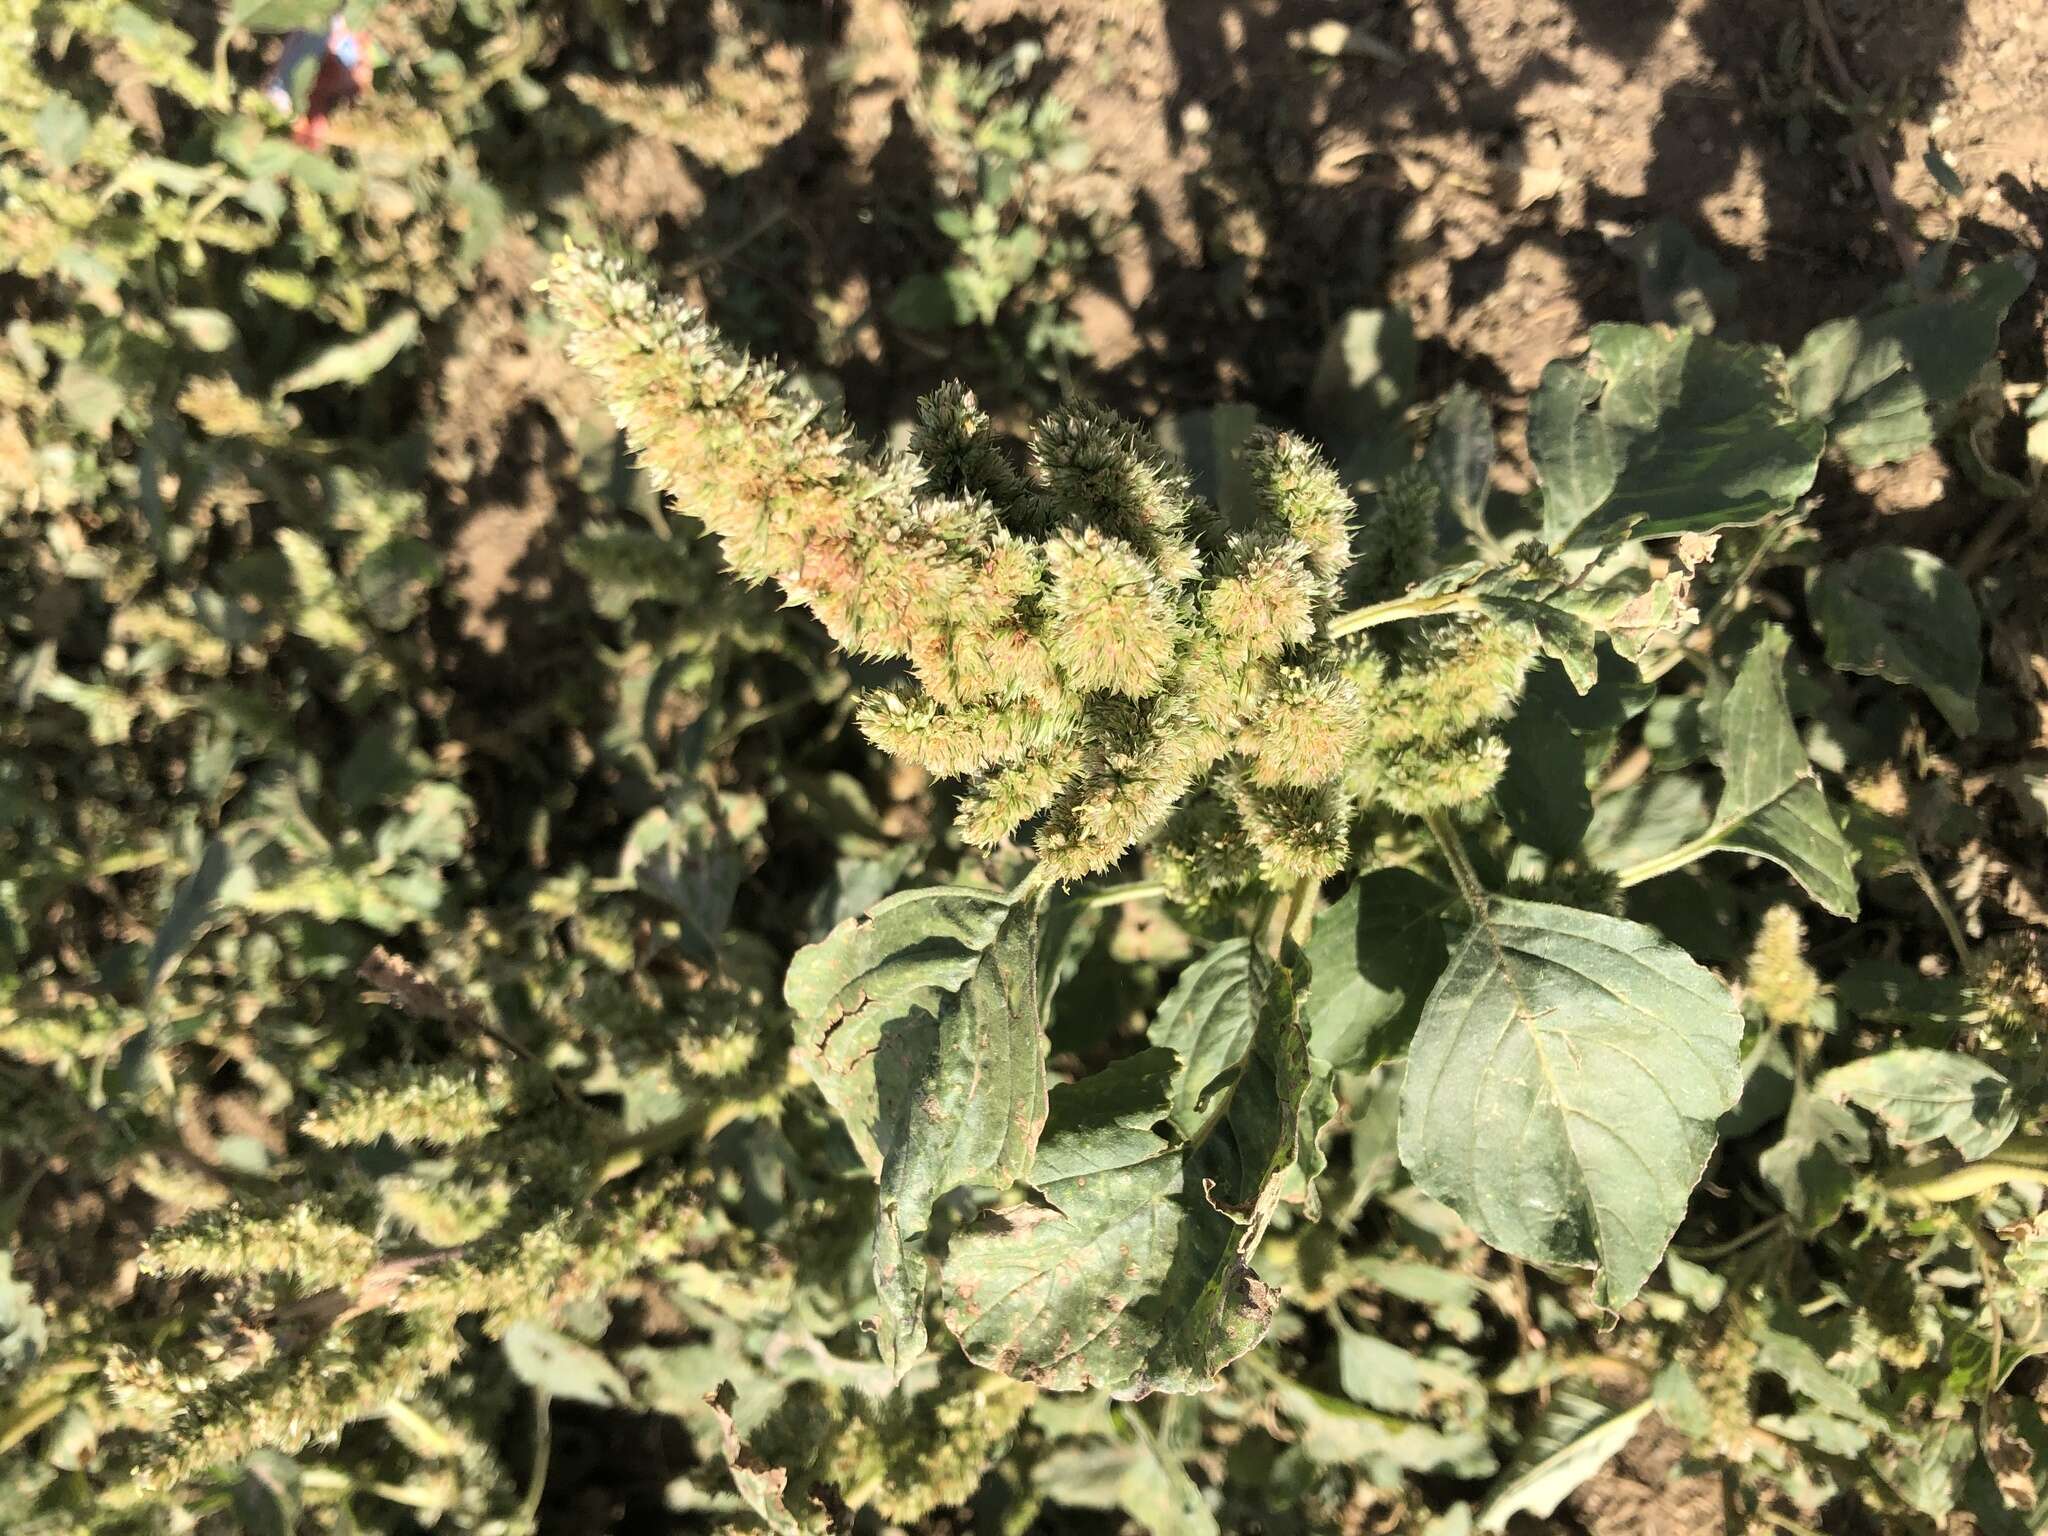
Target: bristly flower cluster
{"x": 1090, "y": 641}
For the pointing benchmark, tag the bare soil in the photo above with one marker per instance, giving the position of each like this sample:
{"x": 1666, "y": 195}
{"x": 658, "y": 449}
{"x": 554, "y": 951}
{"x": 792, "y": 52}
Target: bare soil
{"x": 1484, "y": 161}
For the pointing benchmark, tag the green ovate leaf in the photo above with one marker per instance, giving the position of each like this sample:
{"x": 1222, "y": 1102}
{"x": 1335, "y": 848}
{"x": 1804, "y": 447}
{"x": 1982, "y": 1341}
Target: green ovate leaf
{"x": 1131, "y": 1269}
{"x": 1875, "y": 382}
{"x": 921, "y": 1024}
{"x": 1205, "y": 1021}
{"x": 24, "y": 1329}
{"x": 1924, "y": 1095}
{"x": 1905, "y": 615}
{"x": 220, "y": 879}
{"x": 1680, "y": 281}
{"x": 269, "y": 1495}
{"x": 550, "y": 1361}
{"x": 1812, "y": 1166}
{"x": 1771, "y": 802}
{"x": 1159, "y": 1494}
{"x": 1375, "y": 953}
{"x": 1364, "y": 381}
{"x": 1214, "y": 445}
{"x": 1558, "y": 741}
{"x": 1563, "y": 1087}
{"x": 354, "y": 362}
{"x": 1666, "y": 432}
{"x": 1460, "y": 454}
{"x": 1336, "y": 1432}
{"x": 1577, "y": 1436}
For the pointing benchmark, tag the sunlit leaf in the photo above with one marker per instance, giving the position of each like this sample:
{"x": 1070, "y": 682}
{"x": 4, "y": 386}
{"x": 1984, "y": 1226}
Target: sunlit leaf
{"x": 1563, "y": 1087}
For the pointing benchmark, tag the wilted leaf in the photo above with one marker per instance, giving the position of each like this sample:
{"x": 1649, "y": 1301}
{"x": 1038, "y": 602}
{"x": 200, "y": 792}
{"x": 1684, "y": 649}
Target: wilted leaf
{"x": 1131, "y": 1271}
{"x": 1905, "y": 615}
{"x": 1570, "y": 613}
{"x": 1666, "y": 432}
{"x": 867, "y": 994}
{"x": 1921, "y": 1095}
{"x": 764, "y": 1489}
{"x": 922, "y": 1019}
{"x": 1563, "y": 1087}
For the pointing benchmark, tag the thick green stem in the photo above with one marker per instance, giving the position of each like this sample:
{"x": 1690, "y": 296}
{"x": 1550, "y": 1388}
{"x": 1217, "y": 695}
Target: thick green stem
{"x": 1395, "y": 609}
{"x": 1665, "y": 863}
{"x": 1446, "y": 834}
{"x": 1942, "y": 910}
{"x": 537, "y": 1474}
{"x": 1118, "y": 895}
{"x": 2022, "y": 1160}
{"x": 1287, "y": 915}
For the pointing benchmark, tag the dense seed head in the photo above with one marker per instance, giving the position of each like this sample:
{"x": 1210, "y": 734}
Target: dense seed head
{"x": 1096, "y": 471}
{"x": 1141, "y": 757}
{"x": 1001, "y": 803}
{"x": 955, "y": 742}
{"x": 1265, "y": 597}
{"x": 790, "y": 501}
{"x": 1396, "y": 537}
{"x": 1778, "y": 977}
{"x": 1085, "y": 638}
{"x": 957, "y": 446}
{"x": 1202, "y": 854}
{"x": 1414, "y": 778}
{"x": 1299, "y": 493}
{"x": 1299, "y": 834}
{"x": 1111, "y": 623}
{"x": 1305, "y": 725}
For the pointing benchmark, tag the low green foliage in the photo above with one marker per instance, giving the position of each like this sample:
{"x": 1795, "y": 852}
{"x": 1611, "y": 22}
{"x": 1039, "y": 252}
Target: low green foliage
{"x": 1196, "y": 978}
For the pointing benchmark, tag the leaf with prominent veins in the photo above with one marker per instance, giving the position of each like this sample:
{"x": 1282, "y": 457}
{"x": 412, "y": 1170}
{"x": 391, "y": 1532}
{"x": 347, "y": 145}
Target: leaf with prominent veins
{"x": 921, "y": 1024}
{"x": 1131, "y": 1270}
{"x": 1771, "y": 803}
{"x": 1563, "y": 1088}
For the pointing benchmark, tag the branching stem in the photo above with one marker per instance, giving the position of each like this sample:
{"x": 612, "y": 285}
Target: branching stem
{"x": 1119, "y": 895}
{"x": 1395, "y": 609}
{"x": 2023, "y": 1159}
{"x": 1446, "y": 834}
{"x": 1664, "y": 863}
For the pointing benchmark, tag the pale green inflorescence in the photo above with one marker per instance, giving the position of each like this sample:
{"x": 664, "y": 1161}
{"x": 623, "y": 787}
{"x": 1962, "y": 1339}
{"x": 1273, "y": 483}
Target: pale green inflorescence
{"x": 309, "y": 1243}
{"x": 433, "y": 1106}
{"x": 1089, "y": 642}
